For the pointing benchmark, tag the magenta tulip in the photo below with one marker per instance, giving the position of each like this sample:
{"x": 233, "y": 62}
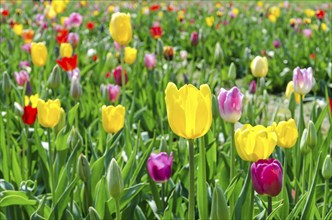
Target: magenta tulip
{"x": 230, "y": 104}
{"x": 303, "y": 80}
{"x": 266, "y": 177}
{"x": 113, "y": 92}
{"x": 117, "y": 74}
{"x": 276, "y": 44}
{"x": 150, "y": 61}
{"x": 194, "y": 38}
{"x": 252, "y": 87}
{"x": 160, "y": 166}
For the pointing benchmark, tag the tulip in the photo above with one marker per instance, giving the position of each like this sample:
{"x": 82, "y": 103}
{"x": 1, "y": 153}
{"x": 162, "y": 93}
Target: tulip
{"x": 230, "y": 104}
{"x": 83, "y": 168}
{"x": 73, "y": 38}
{"x": 120, "y": 28}
{"x": 209, "y": 21}
{"x": 189, "y": 110}
{"x": 320, "y": 14}
{"x": 30, "y": 111}
{"x": 160, "y": 166}
{"x": 117, "y": 73}
{"x": 252, "y": 87}
{"x": 74, "y": 20}
{"x": 287, "y": 133}
{"x": 113, "y": 118}
{"x": 255, "y": 143}
{"x": 75, "y": 88}
{"x": 62, "y": 36}
{"x": 6, "y": 83}
{"x": 24, "y": 64}
{"x": 66, "y": 50}
{"x": 183, "y": 54}
{"x": 312, "y": 135}
{"x": 194, "y": 38}
{"x": 307, "y": 32}
{"x": 113, "y": 92}
{"x": 49, "y": 112}
{"x": 54, "y": 80}
{"x": 156, "y": 31}
{"x": 327, "y": 168}
{"x": 168, "y": 52}
{"x": 114, "y": 180}
{"x": 266, "y": 177}
{"x": 90, "y": 25}
{"x": 290, "y": 90}
{"x": 150, "y": 61}
{"x": 303, "y": 80}
{"x": 27, "y": 35}
{"x": 62, "y": 122}
{"x": 68, "y": 63}
{"x": 130, "y": 55}
{"x": 18, "y": 29}
{"x": 276, "y": 44}
{"x": 38, "y": 54}
{"x": 259, "y": 66}
{"x": 22, "y": 77}
{"x": 26, "y": 47}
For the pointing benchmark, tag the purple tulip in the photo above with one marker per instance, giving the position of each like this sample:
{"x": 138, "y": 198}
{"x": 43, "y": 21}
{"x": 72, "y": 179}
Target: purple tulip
{"x": 303, "y": 80}
{"x": 230, "y": 104}
{"x": 113, "y": 92}
{"x": 150, "y": 61}
{"x": 22, "y": 77}
{"x": 160, "y": 166}
{"x": 266, "y": 176}
{"x": 276, "y": 44}
{"x": 252, "y": 87}
{"x": 194, "y": 38}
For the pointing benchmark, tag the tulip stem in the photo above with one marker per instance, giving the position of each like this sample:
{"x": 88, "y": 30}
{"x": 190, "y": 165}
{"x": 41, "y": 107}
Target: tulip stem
{"x": 269, "y": 205}
{"x": 232, "y": 163}
{"x": 251, "y": 208}
{"x": 117, "y": 206}
{"x": 191, "y": 213}
{"x": 297, "y": 150}
{"x": 310, "y": 168}
{"x": 163, "y": 194}
{"x": 325, "y": 197}
{"x": 52, "y": 184}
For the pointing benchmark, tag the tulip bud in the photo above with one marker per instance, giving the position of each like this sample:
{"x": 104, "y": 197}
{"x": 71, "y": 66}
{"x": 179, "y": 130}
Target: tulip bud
{"x": 194, "y": 38}
{"x": 218, "y": 52}
{"x": 150, "y": 61}
{"x": 232, "y": 72}
{"x": 74, "y": 138}
{"x": 160, "y": 47}
{"x": 252, "y": 87}
{"x": 54, "y": 79}
{"x": 104, "y": 91}
{"x": 312, "y": 135}
{"x": 305, "y": 149}
{"x": 75, "y": 88}
{"x": 303, "y": 80}
{"x": 18, "y": 109}
{"x": 114, "y": 180}
{"x": 327, "y": 168}
{"x": 219, "y": 208}
{"x": 93, "y": 214}
{"x": 28, "y": 89}
{"x": 62, "y": 121}
{"x": 6, "y": 84}
{"x": 259, "y": 66}
{"x": 83, "y": 168}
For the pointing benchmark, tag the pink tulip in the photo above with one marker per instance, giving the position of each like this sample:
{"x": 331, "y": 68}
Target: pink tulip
{"x": 74, "y": 20}
{"x": 183, "y": 54}
{"x": 113, "y": 92}
{"x": 252, "y": 87}
{"x": 303, "y": 80}
{"x": 150, "y": 61}
{"x": 73, "y": 39}
{"x": 307, "y": 32}
{"x": 24, "y": 64}
{"x": 276, "y": 44}
{"x": 194, "y": 38}
{"x": 26, "y": 47}
{"x": 22, "y": 77}
{"x": 266, "y": 177}
{"x": 160, "y": 166}
{"x": 230, "y": 104}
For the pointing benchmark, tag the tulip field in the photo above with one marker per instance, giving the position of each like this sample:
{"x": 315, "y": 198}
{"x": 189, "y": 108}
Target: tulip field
{"x": 170, "y": 110}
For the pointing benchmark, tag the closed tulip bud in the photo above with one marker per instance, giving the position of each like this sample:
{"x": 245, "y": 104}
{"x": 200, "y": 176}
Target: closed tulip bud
{"x": 75, "y": 88}
{"x": 74, "y": 138}
{"x": 287, "y": 133}
{"x": 62, "y": 121}
{"x": 28, "y": 89}
{"x": 54, "y": 80}
{"x": 114, "y": 180}
{"x": 252, "y": 87}
{"x": 219, "y": 208}
{"x": 38, "y": 54}
{"x": 218, "y": 52}
{"x": 130, "y": 55}
{"x": 83, "y": 168}
{"x": 66, "y": 50}
{"x": 120, "y": 28}
{"x": 303, "y": 80}
{"x": 113, "y": 118}
{"x": 6, "y": 84}
{"x": 230, "y": 104}
{"x": 312, "y": 135}
{"x": 327, "y": 168}
{"x": 93, "y": 214}
{"x": 259, "y": 66}
{"x": 117, "y": 74}
{"x": 18, "y": 109}
{"x": 189, "y": 110}
{"x": 160, "y": 47}
{"x": 232, "y": 71}
{"x": 49, "y": 112}
{"x": 150, "y": 61}
{"x": 194, "y": 39}
{"x": 304, "y": 148}
{"x": 160, "y": 166}
{"x": 266, "y": 177}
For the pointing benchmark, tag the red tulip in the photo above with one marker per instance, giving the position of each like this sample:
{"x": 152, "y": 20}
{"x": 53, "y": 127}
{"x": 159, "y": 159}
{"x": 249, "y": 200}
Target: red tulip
{"x": 90, "y": 25}
{"x": 62, "y": 36}
{"x": 320, "y": 14}
{"x": 156, "y": 31}
{"x": 68, "y": 63}
{"x": 154, "y": 7}
{"x": 5, "y": 13}
{"x": 29, "y": 115}
{"x": 117, "y": 73}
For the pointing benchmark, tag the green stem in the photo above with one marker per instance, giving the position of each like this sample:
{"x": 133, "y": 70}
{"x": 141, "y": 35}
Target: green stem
{"x": 304, "y": 174}
{"x": 123, "y": 80}
{"x": 297, "y": 150}
{"x": 232, "y": 162}
{"x": 117, "y": 207}
{"x": 251, "y": 208}
{"x": 310, "y": 168}
{"x": 163, "y": 194}
{"x": 29, "y": 151}
{"x": 50, "y": 166}
{"x": 203, "y": 212}
{"x": 326, "y": 191}
{"x": 269, "y": 205}
{"x": 191, "y": 213}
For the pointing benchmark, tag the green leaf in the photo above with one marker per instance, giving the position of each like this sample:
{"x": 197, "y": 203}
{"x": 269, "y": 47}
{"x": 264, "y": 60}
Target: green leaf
{"x": 298, "y": 207}
{"x": 321, "y": 117}
{"x": 11, "y": 197}
{"x": 219, "y": 209}
{"x": 202, "y": 200}
{"x": 243, "y": 195}
{"x": 100, "y": 197}
{"x": 16, "y": 170}
{"x": 72, "y": 114}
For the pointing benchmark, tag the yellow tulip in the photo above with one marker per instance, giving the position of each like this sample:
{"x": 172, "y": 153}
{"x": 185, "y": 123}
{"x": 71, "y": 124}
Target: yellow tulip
{"x": 287, "y": 133}
{"x": 309, "y": 12}
{"x": 130, "y": 55}
{"x": 307, "y": 20}
{"x": 49, "y": 112}
{"x": 259, "y": 66}
{"x": 38, "y": 54}
{"x": 18, "y": 29}
{"x": 66, "y": 50}
{"x": 50, "y": 12}
{"x": 255, "y": 143}
{"x": 58, "y": 6}
{"x": 209, "y": 21}
{"x": 189, "y": 110}
{"x": 272, "y": 18}
{"x": 235, "y": 11}
{"x": 324, "y": 27}
{"x": 120, "y": 28}
{"x": 113, "y": 118}
{"x": 290, "y": 90}
{"x": 33, "y": 99}
{"x": 275, "y": 11}
{"x": 260, "y": 4}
